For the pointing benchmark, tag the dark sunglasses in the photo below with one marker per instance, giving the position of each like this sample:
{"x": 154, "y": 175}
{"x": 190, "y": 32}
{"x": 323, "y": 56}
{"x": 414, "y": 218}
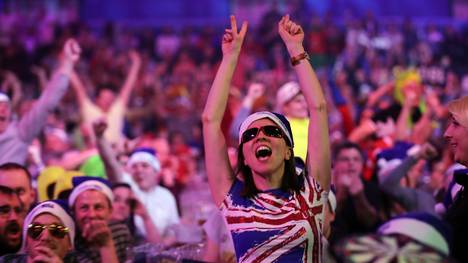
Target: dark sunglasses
{"x": 58, "y": 231}
{"x": 268, "y": 130}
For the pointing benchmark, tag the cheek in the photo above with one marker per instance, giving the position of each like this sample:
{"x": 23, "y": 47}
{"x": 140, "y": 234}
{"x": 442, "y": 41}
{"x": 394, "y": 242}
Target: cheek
{"x": 246, "y": 153}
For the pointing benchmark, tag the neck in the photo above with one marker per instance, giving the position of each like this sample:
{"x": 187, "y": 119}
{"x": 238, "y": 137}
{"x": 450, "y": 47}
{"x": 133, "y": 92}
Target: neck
{"x": 265, "y": 182}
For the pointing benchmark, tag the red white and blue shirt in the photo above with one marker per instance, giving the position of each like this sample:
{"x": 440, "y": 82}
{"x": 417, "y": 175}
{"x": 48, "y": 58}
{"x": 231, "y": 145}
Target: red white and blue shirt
{"x": 275, "y": 225}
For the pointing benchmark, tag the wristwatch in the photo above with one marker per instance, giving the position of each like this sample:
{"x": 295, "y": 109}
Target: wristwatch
{"x": 297, "y": 59}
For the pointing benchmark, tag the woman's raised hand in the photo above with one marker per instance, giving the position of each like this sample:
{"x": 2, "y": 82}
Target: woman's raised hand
{"x": 292, "y": 35}
{"x": 232, "y": 40}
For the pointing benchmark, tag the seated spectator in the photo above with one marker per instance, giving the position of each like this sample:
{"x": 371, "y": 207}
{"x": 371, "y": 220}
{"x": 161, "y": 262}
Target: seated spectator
{"x": 98, "y": 239}
{"x": 18, "y": 178}
{"x": 48, "y": 235}
{"x": 144, "y": 180}
{"x": 359, "y": 202}
{"x": 11, "y": 220}
{"x": 126, "y": 206}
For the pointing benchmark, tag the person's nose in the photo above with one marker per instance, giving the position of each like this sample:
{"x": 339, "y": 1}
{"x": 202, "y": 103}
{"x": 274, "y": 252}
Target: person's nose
{"x": 92, "y": 213}
{"x": 261, "y": 134}
{"x": 14, "y": 216}
{"x": 448, "y": 133}
{"x": 137, "y": 168}
{"x": 45, "y": 234}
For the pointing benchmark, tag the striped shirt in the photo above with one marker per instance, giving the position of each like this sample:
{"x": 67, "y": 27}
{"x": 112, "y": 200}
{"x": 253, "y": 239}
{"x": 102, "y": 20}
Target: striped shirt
{"x": 276, "y": 226}
{"x": 122, "y": 241}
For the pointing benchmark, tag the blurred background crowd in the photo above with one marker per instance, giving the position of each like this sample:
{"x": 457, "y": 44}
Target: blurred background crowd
{"x": 387, "y": 80}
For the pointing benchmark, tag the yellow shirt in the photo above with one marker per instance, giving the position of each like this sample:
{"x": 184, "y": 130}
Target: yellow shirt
{"x": 300, "y": 128}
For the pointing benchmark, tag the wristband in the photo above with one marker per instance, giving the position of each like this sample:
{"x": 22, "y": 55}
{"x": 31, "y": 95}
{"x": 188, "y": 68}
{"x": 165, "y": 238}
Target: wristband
{"x": 297, "y": 59}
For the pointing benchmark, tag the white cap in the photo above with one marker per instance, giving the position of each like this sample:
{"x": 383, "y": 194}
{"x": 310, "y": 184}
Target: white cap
{"x": 54, "y": 208}
{"x": 286, "y": 93}
{"x": 90, "y": 185}
{"x": 146, "y": 157}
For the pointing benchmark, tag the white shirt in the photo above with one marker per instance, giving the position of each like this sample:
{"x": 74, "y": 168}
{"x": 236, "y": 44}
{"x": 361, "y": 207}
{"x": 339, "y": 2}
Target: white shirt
{"x": 160, "y": 204}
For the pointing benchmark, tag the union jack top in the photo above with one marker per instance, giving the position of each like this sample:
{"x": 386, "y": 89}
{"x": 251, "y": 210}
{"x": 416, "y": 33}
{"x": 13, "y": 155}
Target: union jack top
{"x": 276, "y": 226}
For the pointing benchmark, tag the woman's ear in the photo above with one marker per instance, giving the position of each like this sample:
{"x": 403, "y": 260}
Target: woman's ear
{"x": 289, "y": 154}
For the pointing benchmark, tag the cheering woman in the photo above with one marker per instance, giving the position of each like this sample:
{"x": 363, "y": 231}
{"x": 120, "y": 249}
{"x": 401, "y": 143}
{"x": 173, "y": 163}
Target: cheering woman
{"x": 273, "y": 210}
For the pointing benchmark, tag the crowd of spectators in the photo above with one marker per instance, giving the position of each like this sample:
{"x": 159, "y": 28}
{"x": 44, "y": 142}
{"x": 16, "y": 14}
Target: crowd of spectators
{"x": 132, "y": 116}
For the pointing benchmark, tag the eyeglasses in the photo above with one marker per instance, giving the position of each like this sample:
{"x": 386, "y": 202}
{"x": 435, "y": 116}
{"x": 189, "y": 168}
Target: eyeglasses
{"x": 268, "y": 130}
{"x": 56, "y": 230}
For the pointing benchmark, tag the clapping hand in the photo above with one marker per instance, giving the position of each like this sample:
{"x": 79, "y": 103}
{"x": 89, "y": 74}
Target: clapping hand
{"x": 97, "y": 232}
{"x": 45, "y": 254}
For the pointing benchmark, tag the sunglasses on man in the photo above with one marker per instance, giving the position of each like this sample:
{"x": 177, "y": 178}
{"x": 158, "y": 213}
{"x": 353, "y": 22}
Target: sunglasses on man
{"x": 56, "y": 230}
{"x": 268, "y": 130}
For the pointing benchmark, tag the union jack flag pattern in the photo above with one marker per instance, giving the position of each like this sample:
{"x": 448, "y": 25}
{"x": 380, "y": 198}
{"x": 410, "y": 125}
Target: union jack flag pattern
{"x": 275, "y": 225}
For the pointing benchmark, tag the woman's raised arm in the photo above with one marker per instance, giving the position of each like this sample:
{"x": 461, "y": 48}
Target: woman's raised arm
{"x": 318, "y": 149}
{"x": 218, "y": 168}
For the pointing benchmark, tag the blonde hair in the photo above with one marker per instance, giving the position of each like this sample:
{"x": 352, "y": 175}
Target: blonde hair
{"x": 459, "y": 110}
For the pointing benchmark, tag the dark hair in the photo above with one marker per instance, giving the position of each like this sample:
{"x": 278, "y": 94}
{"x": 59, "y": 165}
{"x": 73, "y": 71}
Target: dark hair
{"x": 345, "y": 145}
{"x": 7, "y": 190}
{"x": 117, "y": 185}
{"x": 130, "y": 222}
{"x": 290, "y": 181}
{"x": 16, "y": 166}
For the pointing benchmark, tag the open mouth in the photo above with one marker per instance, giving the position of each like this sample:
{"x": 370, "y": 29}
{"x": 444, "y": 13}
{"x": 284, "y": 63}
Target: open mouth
{"x": 13, "y": 230}
{"x": 263, "y": 152}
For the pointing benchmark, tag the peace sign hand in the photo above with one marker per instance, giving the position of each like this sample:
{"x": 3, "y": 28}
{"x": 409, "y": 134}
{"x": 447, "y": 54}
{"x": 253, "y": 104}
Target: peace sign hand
{"x": 232, "y": 40}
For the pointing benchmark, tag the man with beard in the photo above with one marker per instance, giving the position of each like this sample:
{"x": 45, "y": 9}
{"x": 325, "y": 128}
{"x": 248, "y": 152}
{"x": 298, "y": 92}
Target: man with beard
{"x": 11, "y": 219}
